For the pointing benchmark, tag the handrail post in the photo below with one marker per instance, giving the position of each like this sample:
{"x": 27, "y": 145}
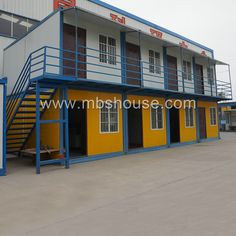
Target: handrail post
{"x": 230, "y": 80}
{"x": 44, "y": 60}
{"x": 37, "y": 128}
{"x": 123, "y": 56}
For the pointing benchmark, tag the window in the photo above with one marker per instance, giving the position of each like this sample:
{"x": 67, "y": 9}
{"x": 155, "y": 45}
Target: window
{"x": 19, "y": 26}
{"x": 210, "y": 76}
{"x": 187, "y": 71}
{"x": 157, "y": 117}
{"x": 6, "y": 23}
{"x": 107, "y": 49}
{"x": 154, "y": 62}
{"x": 189, "y": 119}
{"x": 213, "y": 115}
{"x": 109, "y": 118}
{"x": 14, "y": 26}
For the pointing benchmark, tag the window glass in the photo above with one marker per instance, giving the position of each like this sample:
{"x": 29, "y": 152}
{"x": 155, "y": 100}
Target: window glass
{"x": 20, "y": 25}
{"x": 107, "y": 49}
{"x": 189, "y": 117}
{"x": 213, "y": 115}
{"x": 187, "y": 70}
{"x": 109, "y": 118}
{"x": 5, "y": 23}
{"x": 157, "y": 117}
{"x": 210, "y": 76}
{"x": 154, "y": 62}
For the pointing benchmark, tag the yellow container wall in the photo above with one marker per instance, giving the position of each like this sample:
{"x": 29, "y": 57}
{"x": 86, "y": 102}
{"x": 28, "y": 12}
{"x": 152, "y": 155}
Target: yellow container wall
{"x": 212, "y": 130}
{"x": 97, "y": 142}
{"x": 151, "y": 138}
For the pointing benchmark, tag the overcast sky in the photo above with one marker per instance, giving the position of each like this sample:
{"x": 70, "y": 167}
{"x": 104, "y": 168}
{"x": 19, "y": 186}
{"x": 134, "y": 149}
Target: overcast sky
{"x": 209, "y": 22}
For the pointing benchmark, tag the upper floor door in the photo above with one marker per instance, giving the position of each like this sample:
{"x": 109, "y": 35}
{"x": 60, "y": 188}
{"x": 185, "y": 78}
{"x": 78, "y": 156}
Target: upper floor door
{"x": 133, "y": 70}
{"x": 172, "y": 73}
{"x": 74, "y": 60}
{"x": 199, "y": 79}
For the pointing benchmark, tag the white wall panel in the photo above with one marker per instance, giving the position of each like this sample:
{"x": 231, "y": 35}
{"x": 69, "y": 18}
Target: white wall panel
{"x": 35, "y": 9}
{"x": 47, "y": 34}
{"x": 4, "y": 42}
{"x": 111, "y": 74}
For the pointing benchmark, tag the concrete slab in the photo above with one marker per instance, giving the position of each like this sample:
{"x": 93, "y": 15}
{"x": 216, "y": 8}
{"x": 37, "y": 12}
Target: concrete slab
{"x": 180, "y": 191}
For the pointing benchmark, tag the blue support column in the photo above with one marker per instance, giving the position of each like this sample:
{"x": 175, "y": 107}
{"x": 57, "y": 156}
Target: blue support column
{"x": 194, "y": 74}
{"x": 167, "y": 126}
{"x": 61, "y": 118}
{"x": 125, "y": 124}
{"x": 61, "y": 41}
{"x": 165, "y": 67}
{"x": 37, "y": 128}
{"x": 197, "y": 123}
{"x": 218, "y": 123}
{"x": 123, "y": 56}
{"x": 67, "y": 153}
{"x": 3, "y": 169}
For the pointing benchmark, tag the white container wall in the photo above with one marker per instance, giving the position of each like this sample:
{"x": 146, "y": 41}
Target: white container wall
{"x": 46, "y": 34}
{"x": 35, "y": 9}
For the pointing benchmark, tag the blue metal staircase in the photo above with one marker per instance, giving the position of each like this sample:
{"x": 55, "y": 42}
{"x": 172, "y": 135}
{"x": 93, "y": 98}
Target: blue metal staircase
{"x": 21, "y": 109}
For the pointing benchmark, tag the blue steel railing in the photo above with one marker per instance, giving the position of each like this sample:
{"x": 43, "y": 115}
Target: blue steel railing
{"x": 91, "y": 64}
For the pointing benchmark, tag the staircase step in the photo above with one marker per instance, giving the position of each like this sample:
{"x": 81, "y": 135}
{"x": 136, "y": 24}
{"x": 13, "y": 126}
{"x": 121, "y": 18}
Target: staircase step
{"x": 16, "y": 134}
{"x": 25, "y": 118}
{"x": 9, "y": 139}
{"x": 25, "y": 128}
{"x": 23, "y": 123}
{"x": 27, "y": 105}
{"x": 26, "y": 112}
{"x": 14, "y": 143}
{"x": 41, "y": 93}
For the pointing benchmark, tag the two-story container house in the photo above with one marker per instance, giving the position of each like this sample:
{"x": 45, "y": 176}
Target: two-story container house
{"x": 91, "y": 50}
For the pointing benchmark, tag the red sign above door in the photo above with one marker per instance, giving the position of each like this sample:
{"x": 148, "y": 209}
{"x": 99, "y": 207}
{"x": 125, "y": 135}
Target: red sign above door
{"x": 63, "y": 3}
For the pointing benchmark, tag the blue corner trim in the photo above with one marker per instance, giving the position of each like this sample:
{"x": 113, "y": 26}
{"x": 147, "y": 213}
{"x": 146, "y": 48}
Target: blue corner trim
{"x": 123, "y": 55}
{"x": 95, "y": 157}
{"x": 132, "y": 16}
{"x": 165, "y": 67}
{"x": 208, "y": 140}
{"x": 79, "y": 159}
{"x": 3, "y": 81}
{"x": 125, "y": 124}
{"x": 197, "y": 122}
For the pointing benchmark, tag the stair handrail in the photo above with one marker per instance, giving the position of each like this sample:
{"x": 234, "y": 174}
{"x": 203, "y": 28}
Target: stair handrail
{"x": 20, "y": 84}
{"x": 18, "y": 88}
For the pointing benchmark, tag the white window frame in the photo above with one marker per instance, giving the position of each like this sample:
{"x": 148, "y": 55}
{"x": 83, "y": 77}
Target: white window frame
{"x": 156, "y": 62}
{"x": 109, "y": 120}
{"x": 110, "y": 58}
{"x": 156, "y": 109}
{"x": 188, "y": 114}
{"x": 209, "y": 71}
{"x": 187, "y": 71}
{"x": 215, "y": 124}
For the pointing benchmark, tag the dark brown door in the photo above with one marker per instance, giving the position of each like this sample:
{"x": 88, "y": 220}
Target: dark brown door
{"x": 172, "y": 73}
{"x": 78, "y": 130}
{"x": 133, "y": 70}
{"x": 202, "y": 123}
{"x": 135, "y": 127}
{"x": 69, "y": 57}
{"x": 174, "y": 126}
{"x": 199, "y": 79}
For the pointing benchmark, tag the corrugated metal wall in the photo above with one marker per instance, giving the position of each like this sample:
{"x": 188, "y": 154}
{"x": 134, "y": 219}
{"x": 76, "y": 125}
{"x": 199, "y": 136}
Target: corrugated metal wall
{"x": 35, "y": 9}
